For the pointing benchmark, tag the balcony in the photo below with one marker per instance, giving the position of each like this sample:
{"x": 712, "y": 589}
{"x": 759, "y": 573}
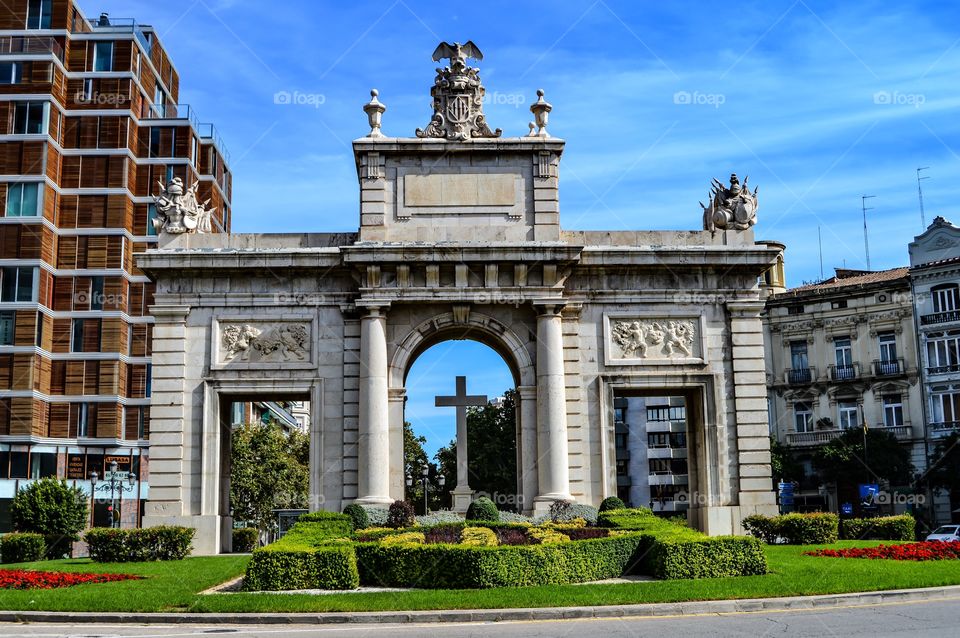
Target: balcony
{"x": 944, "y": 427}
{"x": 948, "y": 369}
{"x": 940, "y": 317}
{"x": 847, "y": 372}
{"x": 206, "y": 132}
{"x": 668, "y": 479}
{"x": 27, "y": 44}
{"x": 819, "y": 437}
{"x": 800, "y": 376}
{"x": 890, "y": 368}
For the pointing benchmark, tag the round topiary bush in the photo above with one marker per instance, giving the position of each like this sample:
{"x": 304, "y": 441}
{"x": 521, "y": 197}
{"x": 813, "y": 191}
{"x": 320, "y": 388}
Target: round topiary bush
{"x": 612, "y": 503}
{"x": 53, "y": 508}
{"x": 358, "y": 515}
{"x": 483, "y": 509}
{"x": 400, "y": 515}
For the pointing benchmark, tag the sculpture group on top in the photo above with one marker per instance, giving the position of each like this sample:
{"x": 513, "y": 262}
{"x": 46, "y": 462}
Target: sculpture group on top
{"x": 179, "y": 210}
{"x": 731, "y": 208}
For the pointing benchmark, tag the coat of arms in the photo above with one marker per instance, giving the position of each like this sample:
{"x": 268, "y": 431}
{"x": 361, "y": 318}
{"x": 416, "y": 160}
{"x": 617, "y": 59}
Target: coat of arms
{"x": 733, "y": 208}
{"x": 179, "y": 210}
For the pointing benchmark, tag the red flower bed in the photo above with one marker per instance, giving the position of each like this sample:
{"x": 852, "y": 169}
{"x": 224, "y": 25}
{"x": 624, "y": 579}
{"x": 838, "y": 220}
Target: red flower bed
{"x": 928, "y": 550}
{"x": 28, "y": 579}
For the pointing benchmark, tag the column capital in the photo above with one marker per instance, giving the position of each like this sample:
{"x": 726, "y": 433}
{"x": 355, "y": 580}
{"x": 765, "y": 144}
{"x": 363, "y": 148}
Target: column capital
{"x": 397, "y": 394}
{"x": 373, "y": 307}
{"x": 170, "y": 314}
{"x": 527, "y": 391}
{"x": 746, "y": 308}
{"x": 548, "y": 306}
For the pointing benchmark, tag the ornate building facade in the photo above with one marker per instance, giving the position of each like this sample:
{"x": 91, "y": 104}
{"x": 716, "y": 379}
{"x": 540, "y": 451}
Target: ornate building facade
{"x": 841, "y": 355}
{"x": 89, "y": 124}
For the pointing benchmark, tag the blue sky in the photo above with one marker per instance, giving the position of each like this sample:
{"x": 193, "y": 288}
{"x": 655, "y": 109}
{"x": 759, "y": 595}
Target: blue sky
{"x": 818, "y": 102}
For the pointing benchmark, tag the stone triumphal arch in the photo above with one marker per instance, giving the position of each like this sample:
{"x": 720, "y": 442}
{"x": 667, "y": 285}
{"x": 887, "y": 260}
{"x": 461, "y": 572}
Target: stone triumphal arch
{"x": 460, "y": 237}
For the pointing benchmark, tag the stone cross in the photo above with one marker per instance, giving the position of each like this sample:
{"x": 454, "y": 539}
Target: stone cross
{"x": 461, "y": 401}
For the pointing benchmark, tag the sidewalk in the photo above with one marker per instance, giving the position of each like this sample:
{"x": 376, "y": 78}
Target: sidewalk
{"x": 499, "y": 615}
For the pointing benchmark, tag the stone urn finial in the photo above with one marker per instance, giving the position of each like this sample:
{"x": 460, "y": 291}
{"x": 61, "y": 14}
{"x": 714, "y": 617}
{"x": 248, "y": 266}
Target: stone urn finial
{"x": 540, "y": 109}
{"x": 374, "y": 110}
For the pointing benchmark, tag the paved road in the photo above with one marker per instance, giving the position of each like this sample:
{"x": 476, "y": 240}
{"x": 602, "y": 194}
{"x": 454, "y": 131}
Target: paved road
{"x": 916, "y": 620}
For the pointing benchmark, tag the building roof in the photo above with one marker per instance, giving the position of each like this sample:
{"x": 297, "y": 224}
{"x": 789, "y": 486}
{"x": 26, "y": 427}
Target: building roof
{"x": 847, "y": 279}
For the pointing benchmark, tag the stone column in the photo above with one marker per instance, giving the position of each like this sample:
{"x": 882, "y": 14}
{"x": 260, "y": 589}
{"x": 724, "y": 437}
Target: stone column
{"x": 374, "y": 414}
{"x": 527, "y": 463}
{"x": 552, "y": 447}
{"x": 398, "y": 400}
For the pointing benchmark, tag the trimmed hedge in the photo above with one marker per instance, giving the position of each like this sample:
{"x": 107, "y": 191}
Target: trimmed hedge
{"x": 815, "y": 528}
{"x": 461, "y": 567}
{"x": 135, "y": 545}
{"x": 312, "y": 555}
{"x": 612, "y": 503}
{"x": 483, "y": 509}
{"x": 886, "y": 528}
{"x": 22, "y": 548}
{"x": 710, "y": 557}
{"x": 245, "y": 539}
{"x": 358, "y": 515}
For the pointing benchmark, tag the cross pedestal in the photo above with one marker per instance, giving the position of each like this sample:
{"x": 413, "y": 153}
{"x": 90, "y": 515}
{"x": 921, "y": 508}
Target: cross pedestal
{"x": 462, "y": 494}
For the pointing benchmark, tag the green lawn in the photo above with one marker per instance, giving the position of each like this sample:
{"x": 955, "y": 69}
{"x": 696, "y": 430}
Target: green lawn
{"x": 173, "y": 586}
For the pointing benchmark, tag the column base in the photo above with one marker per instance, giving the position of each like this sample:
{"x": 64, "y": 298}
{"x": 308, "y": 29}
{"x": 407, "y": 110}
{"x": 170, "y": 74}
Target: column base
{"x": 211, "y": 537}
{"x": 725, "y": 520}
{"x": 374, "y": 501}
{"x": 462, "y": 497}
{"x": 542, "y": 503}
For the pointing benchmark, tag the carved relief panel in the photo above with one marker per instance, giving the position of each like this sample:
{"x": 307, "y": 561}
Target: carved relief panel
{"x": 263, "y": 343}
{"x": 633, "y": 340}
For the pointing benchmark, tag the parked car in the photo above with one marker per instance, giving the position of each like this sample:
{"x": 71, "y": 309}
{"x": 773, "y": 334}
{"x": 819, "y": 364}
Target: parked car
{"x": 947, "y": 533}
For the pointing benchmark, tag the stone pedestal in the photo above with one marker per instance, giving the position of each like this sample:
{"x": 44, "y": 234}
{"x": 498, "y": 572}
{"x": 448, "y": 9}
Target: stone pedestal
{"x": 462, "y": 497}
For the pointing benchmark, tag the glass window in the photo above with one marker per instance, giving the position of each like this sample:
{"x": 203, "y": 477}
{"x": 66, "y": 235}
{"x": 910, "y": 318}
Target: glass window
{"x": 154, "y": 142}
{"x": 39, "y": 14}
{"x": 7, "y": 323}
{"x": 803, "y": 417}
{"x": 843, "y": 352}
{"x": 19, "y": 462}
{"x": 892, "y": 410}
{"x": 141, "y": 423}
{"x": 798, "y": 355}
{"x": 29, "y": 118}
{"x": 103, "y": 56}
{"x": 16, "y": 283}
{"x": 88, "y": 90}
{"x": 23, "y": 200}
{"x": 76, "y": 343}
{"x": 96, "y": 293}
{"x": 151, "y": 217}
{"x": 148, "y": 380}
{"x": 43, "y": 465}
{"x": 848, "y": 413}
{"x": 943, "y": 351}
{"x": 946, "y": 407}
{"x": 11, "y": 72}
{"x": 945, "y": 298}
{"x": 83, "y": 421}
{"x": 888, "y": 346}
{"x": 159, "y": 101}
{"x": 658, "y": 439}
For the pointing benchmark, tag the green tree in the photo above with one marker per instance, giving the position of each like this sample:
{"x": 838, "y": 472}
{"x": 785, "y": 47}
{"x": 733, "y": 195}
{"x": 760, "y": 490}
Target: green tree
{"x": 843, "y": 460}
{"x": 944, "y": 472}
{"x": 53, "y": 508}
{"x": 492, "y": 446}
{"x": 269, "y": 470}
{"x": 784, "y": 463}
{"x": 414, "y": 461}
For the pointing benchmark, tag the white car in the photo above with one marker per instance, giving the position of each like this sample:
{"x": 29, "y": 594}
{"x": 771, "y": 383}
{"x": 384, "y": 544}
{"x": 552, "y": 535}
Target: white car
{"x": 947, "y": 534}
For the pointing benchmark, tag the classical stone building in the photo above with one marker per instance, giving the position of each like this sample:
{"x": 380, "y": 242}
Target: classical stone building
{"x": 841, "y": 353}
{"x": 935, "y": 274}
{"x": 460, "y": 238}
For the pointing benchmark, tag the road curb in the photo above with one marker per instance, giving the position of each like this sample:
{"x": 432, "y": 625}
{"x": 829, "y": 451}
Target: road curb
{"x": 693, "y": 608}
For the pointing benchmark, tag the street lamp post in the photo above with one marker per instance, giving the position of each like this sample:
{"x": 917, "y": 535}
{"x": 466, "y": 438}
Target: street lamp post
{"x": 425, "y": 482}
{"x": 116, "y": 486}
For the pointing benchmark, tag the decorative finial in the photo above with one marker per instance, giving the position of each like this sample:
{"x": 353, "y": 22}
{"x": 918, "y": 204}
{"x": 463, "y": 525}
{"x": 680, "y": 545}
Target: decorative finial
{"x": 374, "y": 110}
{"x": 540, "y": 109}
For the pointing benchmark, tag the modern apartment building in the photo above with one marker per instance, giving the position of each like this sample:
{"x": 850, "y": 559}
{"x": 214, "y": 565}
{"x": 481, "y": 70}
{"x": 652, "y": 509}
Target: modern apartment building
{"x": 841, "y": 353}
{"x": 650, "y": 440}
{"x": 935, "y": 274}
{"x": 90, "y": 125}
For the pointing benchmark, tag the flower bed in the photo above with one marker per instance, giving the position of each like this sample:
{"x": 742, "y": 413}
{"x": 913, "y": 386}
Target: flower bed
{"x": 28, "y": 579}
{"x": 930, "y": 550}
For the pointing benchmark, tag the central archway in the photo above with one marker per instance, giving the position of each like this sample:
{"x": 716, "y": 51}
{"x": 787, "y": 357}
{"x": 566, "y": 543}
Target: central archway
{"x": 515, "y": 352}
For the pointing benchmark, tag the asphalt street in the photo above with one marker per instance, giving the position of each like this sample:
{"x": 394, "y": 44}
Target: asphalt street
{"x": 917, "y": 620}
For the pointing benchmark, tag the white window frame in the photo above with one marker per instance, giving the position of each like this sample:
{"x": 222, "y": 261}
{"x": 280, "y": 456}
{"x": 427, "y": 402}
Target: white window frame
{"x": 17, "y": 270}
{"x": 16, "y": 74}
{"x": 97, "y": 47}
{"x": 843, "y": 351}
{"x": 48, "y": 4}
{"x": 893, "y": 410}
{"x": 44, "y": 118}
{"x": 943, "y": 350}
{"x": 945, "y": 406}
{"x": 946, "y": 298}
{"x": 15, "y": 194}
{"x": 887, "y": 347}
{"x": 802, "y": 417}
{"x": 848, "y": 415}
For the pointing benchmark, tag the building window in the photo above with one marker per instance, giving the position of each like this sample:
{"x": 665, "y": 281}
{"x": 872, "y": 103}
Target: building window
{"x": 88, "y": 90}
{"x": 839, "y": 304}
{"x": 794, "y": 310}
{"x": 82, "y": 418}
{"x": 193, "y": 150}
{"x": 848, "y": 412}
{"x": 946, "y": 407}
{"x": 39, "y": 14}
{"x": 802, "y": 417}
{"x": 658, "y": 439}
{"x": 16, "y": 283}
{"x": 23, "y": 200}
{"x": 11, "y": 72}
{"x": 620, "y": 441}
{"x": 892, "y": 410}
{"x": 148, "y": 380}
{"x": 96, "y": 293}
{"x": 154, "y": 142}
{"x": 141, "y": 423}
{"x": 798, "y": 355}
{"x": 843, "y": 352}
{"x": 30, "y": 118}
{"x": 151, "y": 217}
{"x": 103, "y": 56}
{"x": 85, "y": 336}
{"x": 888, "y": 346}
{"x": 43, "y": 465}
{"x": 943, "y": 352}
{"x": 660, "y": 466}
{"x": 945, "y": 297}
{"x": 159, "y": 101}
{"x": 7, "y": 323}
{"x": 622, "y": 468}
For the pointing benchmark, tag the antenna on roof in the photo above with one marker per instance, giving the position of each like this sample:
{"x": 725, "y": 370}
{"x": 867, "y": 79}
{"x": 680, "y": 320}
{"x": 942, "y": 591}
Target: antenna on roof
{"x": 820, "y": 244}
{"x": 866, "y": 239}
{"x": 923, "y": 217}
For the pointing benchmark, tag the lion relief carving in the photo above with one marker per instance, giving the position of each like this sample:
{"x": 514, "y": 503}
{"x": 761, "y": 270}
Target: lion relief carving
{"x": 654, "y": 339}
{"x": 278, "y": 343}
